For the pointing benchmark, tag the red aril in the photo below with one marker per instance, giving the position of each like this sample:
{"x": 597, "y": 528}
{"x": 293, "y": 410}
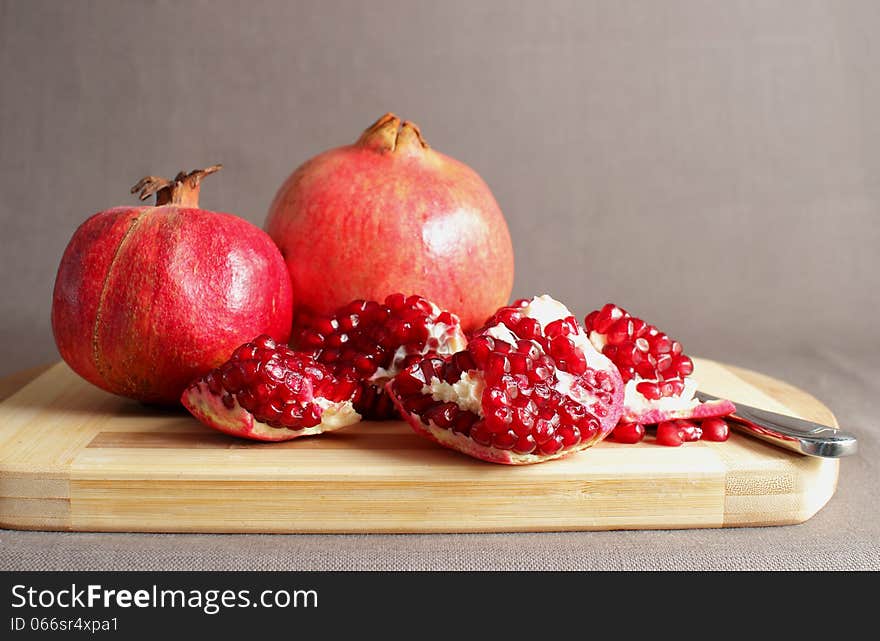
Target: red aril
{"x": 148, "y": 298}
{"x": 528, "y": 388}
{"x": 715, "y": 429}
{"x": 670, "y": 434}
{"x": 628, "y": 433}
{"x": 370, "y": 342}
{"x": 689, "y": 430}
{"x": 654, "y": 368}
{"x": 268, "y": 392}
{"x": 389, "y": 214}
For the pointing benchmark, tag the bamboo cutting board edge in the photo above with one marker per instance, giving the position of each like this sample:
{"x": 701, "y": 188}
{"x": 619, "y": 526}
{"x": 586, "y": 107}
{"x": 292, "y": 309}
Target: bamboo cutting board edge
{"x": 718, "y": 481}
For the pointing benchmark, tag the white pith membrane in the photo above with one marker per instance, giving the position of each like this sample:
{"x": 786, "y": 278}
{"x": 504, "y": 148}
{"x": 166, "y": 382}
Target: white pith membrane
{"x": 637, "y": 403}
{"x": 238, "y": 421}
{"x": 467, "y": 392}
{"x": 443, "y": 339}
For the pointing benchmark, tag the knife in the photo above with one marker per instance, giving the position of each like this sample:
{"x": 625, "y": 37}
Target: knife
{"x": 797, "y": 434}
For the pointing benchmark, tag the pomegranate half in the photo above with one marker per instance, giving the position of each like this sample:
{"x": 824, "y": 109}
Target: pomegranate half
{"x": 149, "y": 298}
{"x": 389, "y": 214}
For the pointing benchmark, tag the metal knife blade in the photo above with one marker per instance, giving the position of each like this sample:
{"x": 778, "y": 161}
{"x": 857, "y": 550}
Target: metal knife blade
{"x": 797, "y": 434}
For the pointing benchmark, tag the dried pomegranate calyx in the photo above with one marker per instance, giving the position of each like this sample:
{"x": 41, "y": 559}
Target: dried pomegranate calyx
{"x": 388, "y": 134}
{"x": 181, "y": 190}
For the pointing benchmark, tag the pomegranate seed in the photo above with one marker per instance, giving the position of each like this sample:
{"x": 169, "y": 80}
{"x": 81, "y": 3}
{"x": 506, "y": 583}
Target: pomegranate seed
{"x": 715, "y": 429}
{"x": 519, "y": 363}
{"x": 497, "y": 364}
{"x": 543, "y": 431}
{"x": 661, "y": 344}
{"x": 464, "y": 361}
{"x": 551, "y": 446}
{"x": 443, "y": 415}
{"x": 463, "y": 422}
{"x": 529, "y": 328}
{"x": 649, "y": 390}
{"x": 214, "y": 384}
{"x": 628, "y": 433}
{"x": 480, "y": 348}
{"x": 669, "y": 433}
{"x": 525, "y": 444}
{"x": 263, "y": 342}
{"x": 504, "y": 440}
{"x": 480, "y": 435}
{"x": 590, "y": 428}
{"x": 418, "y": 404}
{"x": 570, "y": 435}
{"x": 499, "y": 419}
{"x": 395, "y": 301}
{"x": 689, "y": 431}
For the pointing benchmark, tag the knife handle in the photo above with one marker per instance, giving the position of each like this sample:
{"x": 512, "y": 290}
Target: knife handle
{"x": 797, "y": 434}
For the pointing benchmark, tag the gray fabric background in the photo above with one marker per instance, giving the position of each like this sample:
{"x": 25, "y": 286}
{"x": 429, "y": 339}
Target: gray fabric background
{"x": 713, "y": 166}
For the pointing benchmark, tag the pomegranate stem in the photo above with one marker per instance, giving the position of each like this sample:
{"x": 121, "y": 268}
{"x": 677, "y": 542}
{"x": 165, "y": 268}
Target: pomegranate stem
{"x": 181, "y": 190}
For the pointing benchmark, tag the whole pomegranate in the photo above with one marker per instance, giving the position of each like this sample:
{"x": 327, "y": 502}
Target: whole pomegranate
{"x": 149, "y": 298}
{"x": 389, "y": 214}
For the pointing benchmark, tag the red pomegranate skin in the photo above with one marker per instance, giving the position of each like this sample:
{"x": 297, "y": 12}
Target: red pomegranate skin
{"x": 149, "y": 298}
{"x": 389, "y": 214}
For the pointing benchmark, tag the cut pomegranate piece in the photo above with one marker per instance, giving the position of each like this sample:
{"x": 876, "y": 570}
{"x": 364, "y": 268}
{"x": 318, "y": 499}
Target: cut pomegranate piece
{"x": 655, "y": 370}
{"x": 268, "y": 392}
{"x": 529, "y": 388}
{"x": 370, "y": 342}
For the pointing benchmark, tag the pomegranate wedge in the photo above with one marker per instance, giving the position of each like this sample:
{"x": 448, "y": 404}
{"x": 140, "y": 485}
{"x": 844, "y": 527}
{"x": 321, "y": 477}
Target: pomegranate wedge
{"x": 528, "y": 388}
{"x": 655, "y": 370}
{"x": 267, "y": 392}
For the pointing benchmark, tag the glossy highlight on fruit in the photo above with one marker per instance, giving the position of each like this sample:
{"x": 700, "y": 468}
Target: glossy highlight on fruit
{"x": 390, "y": 214}
{"x": 268, "y": 392}
{"x": 370, "y": 342}
{"x": 528, "y": 388}
{"x": 148, "y": 298}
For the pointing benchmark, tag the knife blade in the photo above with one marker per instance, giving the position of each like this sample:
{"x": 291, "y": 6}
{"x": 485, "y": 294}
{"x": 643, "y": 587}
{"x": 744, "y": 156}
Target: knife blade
{"x": 790, "y": 432}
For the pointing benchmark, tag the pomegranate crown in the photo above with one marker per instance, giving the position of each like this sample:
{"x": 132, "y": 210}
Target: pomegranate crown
{"x": 389, "y": 134}
{"x": 182, "y": 190}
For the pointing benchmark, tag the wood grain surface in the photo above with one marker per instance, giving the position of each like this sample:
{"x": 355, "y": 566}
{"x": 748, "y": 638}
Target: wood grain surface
{"x": 75, "y": 458}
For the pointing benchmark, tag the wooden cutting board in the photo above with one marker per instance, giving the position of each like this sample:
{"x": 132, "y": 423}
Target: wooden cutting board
{"x": 75, "y": 458}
